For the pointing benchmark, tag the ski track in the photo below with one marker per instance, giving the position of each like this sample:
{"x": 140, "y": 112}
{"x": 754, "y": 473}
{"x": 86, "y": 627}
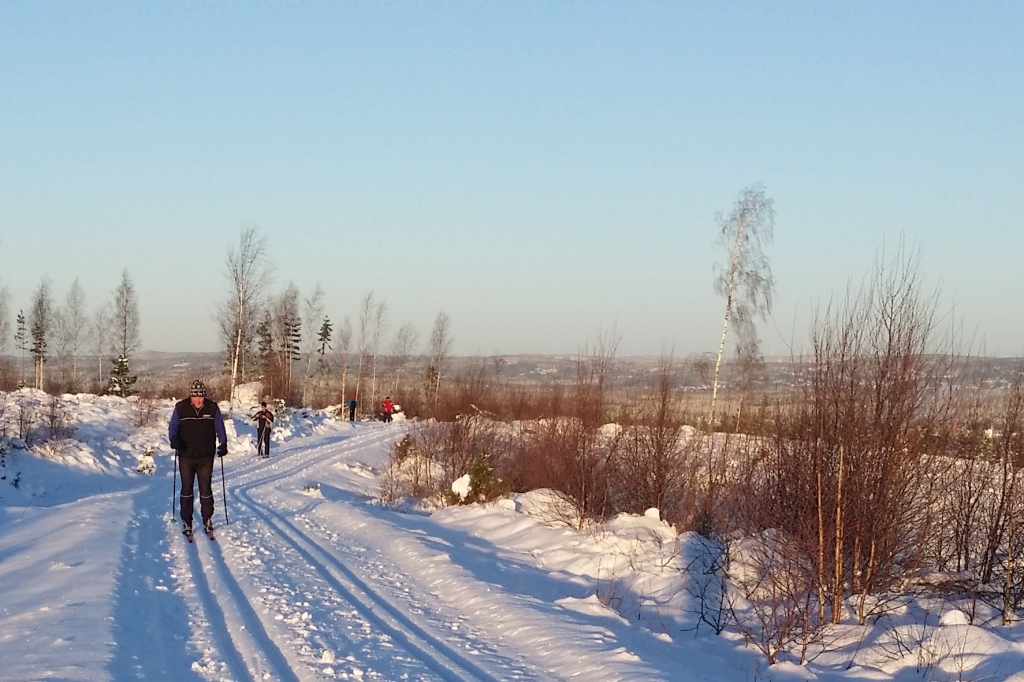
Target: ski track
{"x": 322, "y": 610}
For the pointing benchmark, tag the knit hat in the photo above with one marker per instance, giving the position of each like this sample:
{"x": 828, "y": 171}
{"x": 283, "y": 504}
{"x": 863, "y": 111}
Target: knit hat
{"x": 198, "y": 389}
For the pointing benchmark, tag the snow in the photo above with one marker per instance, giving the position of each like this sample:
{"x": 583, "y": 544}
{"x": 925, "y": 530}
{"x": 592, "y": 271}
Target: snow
{"x": 311, "y": 577}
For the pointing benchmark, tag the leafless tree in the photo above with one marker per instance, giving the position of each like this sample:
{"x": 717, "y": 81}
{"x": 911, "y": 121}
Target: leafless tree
{"x": 652, "y": 468}
{"x": 401, "y": 348}
{"x": 125, "y": 318}
{"x": 1010, "y": 448}
{"x": 881, "y": 404}
{"x": 437, "y": 356}
{"x": 380, "y": 326}
{"x": 364, "y": 342}
{"x": 5, "y": 320}
{"x": 343, "y": 344}
{"x": 571, "y": 454}
{"x": 312, "y": 318}
{"x": 69, "y": 328}
{"x": 772, "y": 605}
{"x": 41, "y": 326}
{"x": 746, "y": 280}
{"x": 287, "y": 334}
{"x": 101, "y": 333}
{"x": 248, "y": 272}
{"x": 76, "y": 322}
{"x": 372, "y": 327}
{"x": 62, "y": 347}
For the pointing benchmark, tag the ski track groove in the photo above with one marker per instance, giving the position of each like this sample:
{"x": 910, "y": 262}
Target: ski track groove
{"x": 207, "y": 573}
{"x": 252, "y": 617}
{"x": 430, "y": 651}
{"x": 257, "y": 634}
{"x": 341, "y": 582}
{"x": 226, "y": 645}
{"x": 253, "y": 636}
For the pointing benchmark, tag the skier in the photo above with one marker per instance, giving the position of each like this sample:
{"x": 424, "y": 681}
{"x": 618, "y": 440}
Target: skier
{"x": 352, "y": 409}
{"x": 386, "y": 408}
{"x": 195, "y": 428}
{"x": 264, "y": 418}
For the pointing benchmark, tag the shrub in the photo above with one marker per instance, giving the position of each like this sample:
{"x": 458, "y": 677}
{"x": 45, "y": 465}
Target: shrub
{"x": 484, "y": 485}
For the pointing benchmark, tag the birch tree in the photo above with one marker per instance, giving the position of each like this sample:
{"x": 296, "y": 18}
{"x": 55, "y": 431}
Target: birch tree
{"x": 746, "y": 280}
{"x": 287, "y": 334}
{"x": 439, "y": 345}
{"x": 125, "y": 318}
{"x": 401, "y": 348}
{"x": 5, "y": 320}
{"x": 380, "y": 325}
{"x": 248, "y": 273}
{"x": 71, "y": 326}
{"x": 365, "y": 340}
{"x": 312, "y": 316}
{"x": 101, "y": 334}
{"x": 126, "y": 336}
{"x": 344, "y": 348}
{"x": 41, "y": 327}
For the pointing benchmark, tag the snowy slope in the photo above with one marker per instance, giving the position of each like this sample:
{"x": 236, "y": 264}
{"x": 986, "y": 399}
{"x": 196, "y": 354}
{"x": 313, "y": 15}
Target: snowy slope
{"x": 310, "y": 578}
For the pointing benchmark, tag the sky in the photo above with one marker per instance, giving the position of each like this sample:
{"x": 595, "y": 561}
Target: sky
{"x": 546, "y": 174}
{"x": 311, "y": 577}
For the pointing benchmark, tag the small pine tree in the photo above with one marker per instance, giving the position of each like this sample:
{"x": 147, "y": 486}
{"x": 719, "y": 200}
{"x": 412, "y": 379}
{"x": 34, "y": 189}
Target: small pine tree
{"x": 484, "y": 486}
{"x": 121, "y": 380}
{"x": 324, "y": 343}
{"x": 294, "y": 340}
{"x": 21, "y": 341}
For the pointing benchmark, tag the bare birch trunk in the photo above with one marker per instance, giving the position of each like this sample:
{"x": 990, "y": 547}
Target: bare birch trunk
{"x": 821, "y": 545}
{"x": 725, "y": 330}
{"x": 837, "y": 597}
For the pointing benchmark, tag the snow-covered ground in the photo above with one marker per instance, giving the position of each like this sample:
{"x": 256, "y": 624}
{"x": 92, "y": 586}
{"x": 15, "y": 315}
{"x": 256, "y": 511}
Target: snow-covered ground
{"x": 311, "y": 578}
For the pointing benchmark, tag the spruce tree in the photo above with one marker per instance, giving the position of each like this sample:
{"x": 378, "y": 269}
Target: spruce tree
{"x": 121, "y": 381}
{"x": 21, "y": 341}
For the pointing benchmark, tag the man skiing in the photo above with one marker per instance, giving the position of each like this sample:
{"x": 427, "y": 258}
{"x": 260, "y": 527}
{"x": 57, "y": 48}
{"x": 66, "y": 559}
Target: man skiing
{"x": 386, "y": 408}
{"x": 352, "y": 409}
{"x": 195, "y": 428}
{"x": 264, "y": 418}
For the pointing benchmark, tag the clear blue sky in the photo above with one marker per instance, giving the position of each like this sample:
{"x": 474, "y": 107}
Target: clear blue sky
{"x": 543, "y": 172}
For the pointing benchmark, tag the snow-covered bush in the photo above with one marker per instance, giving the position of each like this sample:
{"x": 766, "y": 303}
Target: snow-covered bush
{"x": 479, "y": 484}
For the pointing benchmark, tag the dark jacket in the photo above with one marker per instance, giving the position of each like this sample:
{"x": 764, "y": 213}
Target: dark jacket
{"x": 263, "y": 419}
{"x": 194, "y": 433}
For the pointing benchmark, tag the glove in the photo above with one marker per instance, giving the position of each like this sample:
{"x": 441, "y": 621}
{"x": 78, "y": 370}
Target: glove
{"x": 176, "y": 444}
{"x": 222, "y": 449}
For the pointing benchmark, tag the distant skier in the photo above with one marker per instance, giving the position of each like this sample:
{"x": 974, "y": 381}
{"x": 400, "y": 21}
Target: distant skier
{"x": 352, "y": 408}
{"x": 195, "y": 428}
{"x": 386, "y": 408}
{"x": 264, "y": 419}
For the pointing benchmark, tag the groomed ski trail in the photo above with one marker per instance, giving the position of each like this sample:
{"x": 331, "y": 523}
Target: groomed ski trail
{"x": 312, "y": 580}
{"x": 315, "y": 617}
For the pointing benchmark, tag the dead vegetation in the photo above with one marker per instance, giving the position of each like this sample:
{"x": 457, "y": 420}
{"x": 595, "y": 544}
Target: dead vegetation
{"x": 888, "y": 461}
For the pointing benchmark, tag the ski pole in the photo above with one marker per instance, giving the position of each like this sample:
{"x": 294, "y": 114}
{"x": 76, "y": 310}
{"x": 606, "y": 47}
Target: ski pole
{"x": 224, "y": 490}
{"x": 174, "y": 486}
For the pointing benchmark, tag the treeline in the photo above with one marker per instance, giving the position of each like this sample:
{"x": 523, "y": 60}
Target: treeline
{"x": 301, "y": 356}
{"x": 282, "y": 339}
{"x": 52, "y": 340}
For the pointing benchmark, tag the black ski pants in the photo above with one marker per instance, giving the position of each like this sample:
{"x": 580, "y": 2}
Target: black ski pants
{"x": 193, "y": 468}
{"x": 263, "y": 442}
